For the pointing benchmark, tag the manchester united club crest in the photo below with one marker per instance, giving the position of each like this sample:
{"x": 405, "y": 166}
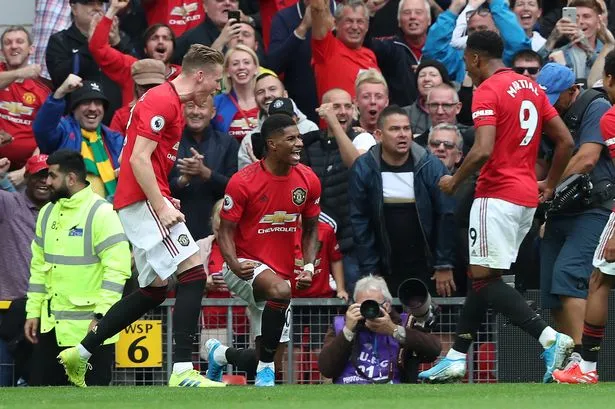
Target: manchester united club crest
{"x": 28, "y": 98}
{"x": 183, "y": 240}
{"x": 299, "y": 195}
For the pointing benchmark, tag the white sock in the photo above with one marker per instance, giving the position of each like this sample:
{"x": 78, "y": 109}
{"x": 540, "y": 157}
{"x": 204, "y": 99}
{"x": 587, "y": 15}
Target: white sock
{"x": 547, "y": 337}
{"x": 220, "y": 355}
{"x": 587, "y": 366}
{"x": 83, "y": 353}
{"x": 452, "y": 354}
{"x": 179, "y": 367}
{"x": 262, "y": 365}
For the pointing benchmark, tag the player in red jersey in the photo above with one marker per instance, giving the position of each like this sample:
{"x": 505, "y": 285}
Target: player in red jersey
{"x": 602, "y": 279}
{"x": 510, "y": 113}
{"x": 258, "y": 233}
{"x": 162, "y": 244}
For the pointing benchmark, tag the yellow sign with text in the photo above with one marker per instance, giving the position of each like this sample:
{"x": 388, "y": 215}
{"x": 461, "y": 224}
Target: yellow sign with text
{"x": 140, "y": 345}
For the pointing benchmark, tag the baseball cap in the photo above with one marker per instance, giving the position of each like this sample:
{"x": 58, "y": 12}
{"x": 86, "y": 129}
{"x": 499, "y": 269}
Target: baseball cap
{"x": 89, "y": 90}
{"x": 555, "y": 78}
{"x": 36, "y": 163}
{"x": 148, "y": 71}
{"x": 282, "y": 106}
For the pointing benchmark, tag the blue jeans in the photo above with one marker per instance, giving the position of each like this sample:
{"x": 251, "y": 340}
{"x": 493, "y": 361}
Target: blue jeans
{"x": 351, "y": 272}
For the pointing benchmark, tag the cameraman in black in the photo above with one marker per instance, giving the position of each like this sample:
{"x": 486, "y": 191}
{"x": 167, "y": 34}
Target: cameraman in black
{"x": 572, "y": 230}
{"x": 386, "y": 348}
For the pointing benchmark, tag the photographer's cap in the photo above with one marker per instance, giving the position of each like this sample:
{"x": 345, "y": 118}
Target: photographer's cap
{"x": 554, "y": 79}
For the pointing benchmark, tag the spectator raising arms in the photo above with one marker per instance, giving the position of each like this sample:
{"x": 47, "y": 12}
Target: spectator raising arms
{"x": 159, "y": 45}
{"x": 68, "y": 53}
{"x": 330, "y": 53}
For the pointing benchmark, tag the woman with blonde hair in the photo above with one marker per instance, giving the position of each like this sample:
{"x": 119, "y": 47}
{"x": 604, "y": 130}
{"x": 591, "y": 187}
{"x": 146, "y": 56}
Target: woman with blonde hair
{"x": 237, "y": 111}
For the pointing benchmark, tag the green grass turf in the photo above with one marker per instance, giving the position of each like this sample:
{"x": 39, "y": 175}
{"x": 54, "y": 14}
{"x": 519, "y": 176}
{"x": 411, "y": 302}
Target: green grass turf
{"x": 451, "y": 396}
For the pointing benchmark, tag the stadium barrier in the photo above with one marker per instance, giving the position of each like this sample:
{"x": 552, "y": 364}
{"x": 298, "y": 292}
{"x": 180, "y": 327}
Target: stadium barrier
{"x": 144, "y": 352}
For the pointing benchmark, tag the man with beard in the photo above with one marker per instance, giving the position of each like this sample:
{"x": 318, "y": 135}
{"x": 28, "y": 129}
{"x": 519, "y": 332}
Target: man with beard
{"x": 267, "y": 88}
{"x": 68, "y": 53}
{"x": 330, "y": 153}
{"x": 159, "y": 45}
{"x": 18, "y": 212}
{"x": 206, "y": 159}
{"x": 81, "y": 131}
{"x": 80, "y": 262}
{"x": 22, "y": 94}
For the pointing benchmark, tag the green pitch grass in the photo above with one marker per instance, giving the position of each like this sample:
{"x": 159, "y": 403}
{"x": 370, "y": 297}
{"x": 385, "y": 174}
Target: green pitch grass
{"x": 455, "y": 396}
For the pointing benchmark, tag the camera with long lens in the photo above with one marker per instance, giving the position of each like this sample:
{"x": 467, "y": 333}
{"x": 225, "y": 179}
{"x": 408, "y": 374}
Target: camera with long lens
{"x": 370, "y": 309}
{"x": 414, "y": 296}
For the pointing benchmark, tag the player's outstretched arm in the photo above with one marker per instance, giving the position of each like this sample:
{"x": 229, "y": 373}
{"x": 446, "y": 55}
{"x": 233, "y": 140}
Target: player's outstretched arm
{"x": 556, "y": 130}
{"x": 484, "y": 141}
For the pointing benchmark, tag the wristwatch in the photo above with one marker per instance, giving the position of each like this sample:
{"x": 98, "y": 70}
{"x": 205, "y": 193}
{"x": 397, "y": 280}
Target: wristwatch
{"x": 399, "y": 333}
{"x": 98, "y": 316}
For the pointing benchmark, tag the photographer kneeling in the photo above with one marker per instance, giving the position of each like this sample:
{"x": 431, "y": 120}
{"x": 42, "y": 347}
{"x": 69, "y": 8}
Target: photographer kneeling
{"x": 383, "y": 349}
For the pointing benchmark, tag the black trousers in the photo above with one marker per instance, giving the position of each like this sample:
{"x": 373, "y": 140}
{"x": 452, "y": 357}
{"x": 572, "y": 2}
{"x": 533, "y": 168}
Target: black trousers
{"x": 45, "y": 370}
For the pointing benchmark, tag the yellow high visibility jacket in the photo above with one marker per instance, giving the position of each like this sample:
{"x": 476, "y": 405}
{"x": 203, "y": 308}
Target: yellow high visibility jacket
{"x": 80, "y": 263}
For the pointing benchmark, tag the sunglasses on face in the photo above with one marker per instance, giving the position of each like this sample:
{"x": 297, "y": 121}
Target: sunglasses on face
{"x": 433, "y": 106}
{"x": 530, "y": 70}
{"x": 435, "y": 143}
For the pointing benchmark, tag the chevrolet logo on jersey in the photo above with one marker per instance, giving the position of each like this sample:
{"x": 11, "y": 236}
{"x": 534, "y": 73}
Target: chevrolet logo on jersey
{"x": 185, "y": 9}
{"x": 16, "y": 108}
{"x": 279, "y": 217}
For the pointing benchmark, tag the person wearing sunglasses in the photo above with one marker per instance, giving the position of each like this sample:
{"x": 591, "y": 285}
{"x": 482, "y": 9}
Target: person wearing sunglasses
{"x": 446, "y": 143}
{"x": 528, "y": 63}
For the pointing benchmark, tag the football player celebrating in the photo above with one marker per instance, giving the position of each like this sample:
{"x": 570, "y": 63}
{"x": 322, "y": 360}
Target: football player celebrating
{"x": 603, "y": 277}
{"x": 162, "y": 244}
{"x": 510, "y": 112}
{"x": 259, "y": 231}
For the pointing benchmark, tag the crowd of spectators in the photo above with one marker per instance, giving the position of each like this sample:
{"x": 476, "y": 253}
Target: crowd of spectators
{"x": 334, "y": 67}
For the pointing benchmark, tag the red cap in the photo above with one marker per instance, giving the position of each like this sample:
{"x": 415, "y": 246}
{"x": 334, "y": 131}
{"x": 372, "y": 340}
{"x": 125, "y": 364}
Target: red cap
{"x": 36, "y": 163}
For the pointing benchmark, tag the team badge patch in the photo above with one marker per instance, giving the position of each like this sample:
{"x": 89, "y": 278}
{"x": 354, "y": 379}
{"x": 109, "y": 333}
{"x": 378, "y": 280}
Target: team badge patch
{"x": 28, "y": 98}
{"x": 278, "y": 104}
{"x": 183, "y": 240}
{"x": 157, "y": 123}
{"x": 299, "y": 195}
{"x": 228, "y": 203}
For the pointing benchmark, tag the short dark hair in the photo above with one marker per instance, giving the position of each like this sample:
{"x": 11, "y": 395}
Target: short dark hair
{"x": 609, "y": 64}
{"x": 486, "y": 42}
{"x": 527, "y": 54}
{"x": 149, "y": 32}
{"x": 387, "y": 112}
{"x": 275, "y": 124}
{"x": 12, "y": 29}
{"x": 265, "y": 75}
{"x": 69, "y": 161}
{"x": 590, "y": 4}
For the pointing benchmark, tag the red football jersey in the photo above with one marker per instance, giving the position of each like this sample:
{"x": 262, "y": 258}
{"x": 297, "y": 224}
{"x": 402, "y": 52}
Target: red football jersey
{"x": 517, "y": 107}
{"x": 607, "y": 129}
{"x": 328, "y": 252}
{"x": 267, "y": 209}
{"x": 180, "y": 15}
{"x": 157, "y": 115}
{"x": 19, "y": 104}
